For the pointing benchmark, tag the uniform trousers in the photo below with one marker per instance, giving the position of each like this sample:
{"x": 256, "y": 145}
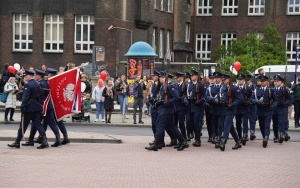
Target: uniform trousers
{"x": 35, "y": 117}
{"x": 179, "y": 119}
{"x": 264, "y": 125}
{"x": 242, "y": 119}
{"x": 252, "y": 117}
{"x": 163, "y": 123}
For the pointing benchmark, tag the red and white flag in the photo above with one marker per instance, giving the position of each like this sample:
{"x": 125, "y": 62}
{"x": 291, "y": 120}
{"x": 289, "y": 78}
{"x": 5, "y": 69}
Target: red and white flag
{"x": 66, "y": 93}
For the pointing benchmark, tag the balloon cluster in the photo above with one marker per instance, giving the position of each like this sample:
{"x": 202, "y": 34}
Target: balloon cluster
{"x": 14, "y": 69}
{"x": 235, "y": 67}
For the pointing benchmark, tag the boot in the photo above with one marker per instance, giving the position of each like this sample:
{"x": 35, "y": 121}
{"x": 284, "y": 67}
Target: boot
{"x": 209, "y": 139}
{"x": 237, "y": 145}
{"x": 172, "y": 143}
{"x": 161, "y": 145}
{"x": 38, "y": 140}
{"x": 265, "y": 141}
{"x": 222, "y": 144}
{"x": 152, "y": 147}
{"x": 244, "y": 139}
{"x": 286, "y": 137}
{"x": 197, "y": 143}
{"x": 108, "y": 121}
{"x": 183, "y": 144}
{"x": 214, "y": 139}
{"x": 65, "y": 140}
{"x": 44, "y": 143}
{"x": 16, "y": 144}
{"x": 151, "y": 143}
{"x": 28, "y": 143}
{"x": 281, "y": 138}
{"x": 252, "y": 136}
{"x": 57, "y": 141}
{"x": 275, "y": 140}
{"x": 217, "y": 145}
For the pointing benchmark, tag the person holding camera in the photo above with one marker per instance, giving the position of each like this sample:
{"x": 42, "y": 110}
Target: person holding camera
{"x": 296, "y": 92}
{"x": 11, "y": 88}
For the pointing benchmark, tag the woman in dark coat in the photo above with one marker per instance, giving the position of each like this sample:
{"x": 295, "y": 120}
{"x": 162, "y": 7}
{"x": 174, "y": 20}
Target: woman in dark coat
{"x": 108, "y": 93}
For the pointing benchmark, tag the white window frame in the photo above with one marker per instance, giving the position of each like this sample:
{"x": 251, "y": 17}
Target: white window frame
{"x": 204, "y": 10}
{"x": 29, "y": 29}
{"x": 293, "y": 7}
{"x": 187, "y": 32}
{"x": 155, "y": 5}
{"x": 161, "y": 43}
{"x": 154, "y": 39}
{"x": 162, "y": 5}
{"x": 170, "y": 6}
{"x": 58, "y": 41}
{"x": 230, "y": 9}
{"x": 256, "y": 8}
{"x": 81, "y": 42}
{"x": 292, "y": 39}
{"x": 227, "y": 38}
{"x": 203, "y": 52}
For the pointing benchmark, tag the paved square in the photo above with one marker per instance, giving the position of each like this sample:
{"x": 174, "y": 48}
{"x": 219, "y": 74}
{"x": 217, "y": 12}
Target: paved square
{"x": 130, "y": 165}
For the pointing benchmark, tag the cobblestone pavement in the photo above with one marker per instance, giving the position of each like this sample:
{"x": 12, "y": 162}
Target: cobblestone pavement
{"x": 130, "y": 165}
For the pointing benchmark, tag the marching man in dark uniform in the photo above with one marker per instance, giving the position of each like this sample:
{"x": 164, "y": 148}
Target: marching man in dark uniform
{"x": 231, "y": 97}
{"x": 242, "y": 110}
{"x": 189, "y": 128}
{"x": 266, "y": 101}
{"x": 208, "y": 116}
{"x": 252, "y": 109}
{"x": 31, "y": 109}
{"x": 165, "y": 104}
{"x": 279, "y": 113}
{"x": 181, "y": 105}
{"x": 217, "y": 112}
{"x": 196, "y": 97}
{"x": 48, "y": 117}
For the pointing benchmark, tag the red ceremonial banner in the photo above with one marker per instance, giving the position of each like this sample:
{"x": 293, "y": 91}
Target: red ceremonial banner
{"x": 65, "y": 90}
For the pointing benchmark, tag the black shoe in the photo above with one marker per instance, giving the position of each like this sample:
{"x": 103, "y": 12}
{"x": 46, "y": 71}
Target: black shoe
{"x": 275, "y": 140}
{"x": 28, "y": 143}
{"x": 252, "y": 137}
{"x": 197, "y": 143}
{"x": 11, "y": 119}
{"x": 222, "y": 144}
{"x": 237, "y": 146}
{"x": 14, "y": 145}
{"x": 44, "y": 143}
{"x": 65, "y": 141}
{"x": 172, "y": 143}
{"x": 177, "y": 146}
{"x": 141, "y": 122}
{"x": 209, "y": 139}
{"x": 183, "y": 146}
{"x": 265, "y": 143}
{"x": 161, "y": 145}
{"x": 281, "y": 139}
{"x": 38, "y": 140}
{"x": 57, "y": 141}
{"x": 151, "y": 143}
{"x": 287, "y": 137}
{"x": 134, "y": 122}
{"x": 296, "y": 125}
{"x": 152, "y": 147}
{"x": 6, "y": 120}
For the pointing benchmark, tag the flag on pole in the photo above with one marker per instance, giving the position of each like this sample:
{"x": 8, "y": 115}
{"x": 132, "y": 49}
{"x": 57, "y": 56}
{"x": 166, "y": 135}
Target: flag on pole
{"x": 66, "y": 93}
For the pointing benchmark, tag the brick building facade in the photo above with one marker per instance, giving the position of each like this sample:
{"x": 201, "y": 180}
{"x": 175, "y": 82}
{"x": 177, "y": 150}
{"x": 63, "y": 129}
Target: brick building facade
{"x": 57, "y": 32}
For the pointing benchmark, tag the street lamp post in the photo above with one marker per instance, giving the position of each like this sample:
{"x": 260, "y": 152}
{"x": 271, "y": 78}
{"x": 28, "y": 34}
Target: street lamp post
{"x": 297, "y": 62}
{"x": 131, "y": 31}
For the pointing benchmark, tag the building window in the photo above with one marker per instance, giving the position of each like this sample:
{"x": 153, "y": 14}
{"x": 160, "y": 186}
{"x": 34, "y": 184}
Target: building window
{"x": 293, "y": 7}
{"x": 53, "y": 33}
{"x": 187, "y": 32}
{"x": 170, "y": 6}
{"x": 154, "y": 39}
{"x": 161, "y": 43}
{"x": 168, "y": 49}
{"x": 227, "y": 38}
{"x": 22, "y": 32}
{"x": 256, "y": 8}
{"x": 292, "y": 39}
{"x": 203, "y": 46}
{"x": 204, "y": 8}
{"x": 155, "y": 4}
{"x": 84, "y": 33}
{"x": 162, "y": 5}
{"x": 230, "y": 7}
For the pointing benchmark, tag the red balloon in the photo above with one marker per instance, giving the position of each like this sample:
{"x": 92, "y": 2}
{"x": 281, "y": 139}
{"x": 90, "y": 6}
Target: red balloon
{"x": 11, "y": 69}
{"x": 103, "y": 75}
{"x": 237, "y": 66}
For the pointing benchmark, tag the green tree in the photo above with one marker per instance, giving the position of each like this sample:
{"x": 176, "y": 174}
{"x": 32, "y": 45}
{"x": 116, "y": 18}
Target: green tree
{"x": 253, "y": 51}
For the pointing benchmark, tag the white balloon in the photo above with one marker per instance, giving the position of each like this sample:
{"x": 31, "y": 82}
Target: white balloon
{"x": 83, "y": 86}
{"x": 17, "y": 66}
{"x": 232, "y": 69}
